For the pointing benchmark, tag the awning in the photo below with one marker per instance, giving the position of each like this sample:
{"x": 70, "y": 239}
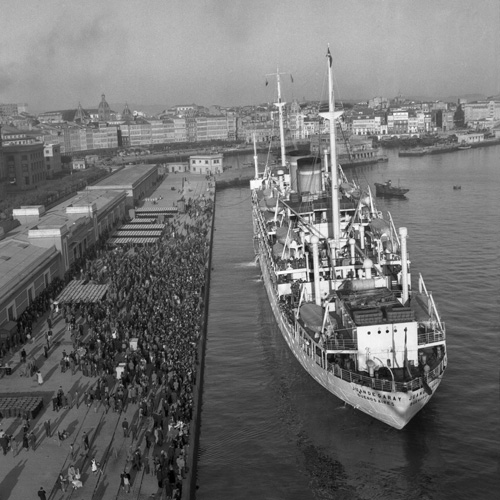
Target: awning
{"x": 82, "y": 291}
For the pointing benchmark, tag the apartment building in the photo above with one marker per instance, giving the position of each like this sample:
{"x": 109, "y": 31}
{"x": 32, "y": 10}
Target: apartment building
{"x": 24, "y": 164}
{"x": 481, "y": 110}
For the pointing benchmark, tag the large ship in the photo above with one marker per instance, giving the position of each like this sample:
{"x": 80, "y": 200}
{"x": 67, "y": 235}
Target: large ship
{"x": 337, "y": 275}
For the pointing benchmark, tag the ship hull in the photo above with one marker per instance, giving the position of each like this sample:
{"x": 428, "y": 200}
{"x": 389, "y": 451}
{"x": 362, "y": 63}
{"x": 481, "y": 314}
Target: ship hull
{"x": 395, "y": 409}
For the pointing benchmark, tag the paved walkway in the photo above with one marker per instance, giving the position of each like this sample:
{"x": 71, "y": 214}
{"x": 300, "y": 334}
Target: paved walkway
{"x": 24, "y": 472}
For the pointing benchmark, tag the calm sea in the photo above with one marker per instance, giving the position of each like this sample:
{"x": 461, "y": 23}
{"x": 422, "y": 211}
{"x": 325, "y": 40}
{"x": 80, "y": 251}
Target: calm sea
{"x": 269, "y": 431}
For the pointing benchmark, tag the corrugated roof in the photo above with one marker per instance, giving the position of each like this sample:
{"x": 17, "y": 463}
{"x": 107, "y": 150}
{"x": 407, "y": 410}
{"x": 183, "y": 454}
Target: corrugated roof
{"x": 135, "y": 241}
{"x": 82, "y": 291}
{"x": 142, "y": 227}
{"x": 137, "y": 234}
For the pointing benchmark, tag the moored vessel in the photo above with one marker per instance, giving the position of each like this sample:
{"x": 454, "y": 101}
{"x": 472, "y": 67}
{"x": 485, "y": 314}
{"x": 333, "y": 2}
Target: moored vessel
{"x": 337, "y": 275}
{"x": 388, "y": 190}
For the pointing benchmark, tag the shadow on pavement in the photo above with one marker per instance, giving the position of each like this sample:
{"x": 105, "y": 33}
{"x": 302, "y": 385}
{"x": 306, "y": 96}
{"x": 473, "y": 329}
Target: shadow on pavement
{"x": 10, "y": 480}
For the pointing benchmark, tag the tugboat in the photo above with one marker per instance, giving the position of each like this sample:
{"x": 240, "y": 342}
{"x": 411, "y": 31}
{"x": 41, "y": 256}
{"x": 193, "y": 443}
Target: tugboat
{"x": 387, "y": 190}
{"x": 337, "y": 275}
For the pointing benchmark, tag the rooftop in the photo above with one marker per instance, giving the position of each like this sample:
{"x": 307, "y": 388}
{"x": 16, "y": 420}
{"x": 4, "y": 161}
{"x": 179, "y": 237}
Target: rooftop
{"x": 127, "y": 177}
{"x": 18, "y": 259}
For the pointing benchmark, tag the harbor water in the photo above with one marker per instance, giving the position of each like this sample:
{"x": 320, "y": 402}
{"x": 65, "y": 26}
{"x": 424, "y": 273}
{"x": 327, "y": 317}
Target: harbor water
{"x": 269, "y": 431}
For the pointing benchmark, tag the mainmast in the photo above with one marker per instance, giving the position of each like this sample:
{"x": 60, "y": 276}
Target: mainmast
{"x": 280, "y": 106}
{"x": 332, "y": 116}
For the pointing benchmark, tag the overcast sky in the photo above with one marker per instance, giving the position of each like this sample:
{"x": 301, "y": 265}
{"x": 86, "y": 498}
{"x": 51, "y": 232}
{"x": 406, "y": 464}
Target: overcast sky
{"x": 56, "y": 53}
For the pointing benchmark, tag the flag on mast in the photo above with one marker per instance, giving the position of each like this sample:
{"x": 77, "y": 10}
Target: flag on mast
{"x": 329, "y": 56}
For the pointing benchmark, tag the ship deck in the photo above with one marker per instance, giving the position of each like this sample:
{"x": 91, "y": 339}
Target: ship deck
{"x": 309, "y": 203}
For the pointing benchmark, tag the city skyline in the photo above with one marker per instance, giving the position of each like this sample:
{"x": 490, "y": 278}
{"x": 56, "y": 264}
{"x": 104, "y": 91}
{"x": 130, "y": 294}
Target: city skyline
{"x": 56, "y": 54}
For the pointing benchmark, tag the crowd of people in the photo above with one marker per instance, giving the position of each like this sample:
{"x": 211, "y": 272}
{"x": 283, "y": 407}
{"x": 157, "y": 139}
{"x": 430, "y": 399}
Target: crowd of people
{"x": 148, "y": 324}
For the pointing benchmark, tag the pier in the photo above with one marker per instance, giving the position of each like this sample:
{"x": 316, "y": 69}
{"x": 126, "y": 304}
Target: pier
{"x": 23, "y": 472}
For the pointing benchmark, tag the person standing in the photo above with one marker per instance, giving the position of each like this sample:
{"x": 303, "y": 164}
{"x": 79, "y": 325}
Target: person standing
{"x": 125, "y": 480}
{"x": 137, "y": 460}
{"x": 15, "y": 446}
{"x": 71, "y": 473}
{"x": 26, "y": 444}
{"x": 125, "y": 427}
{"x": 39, "y": 377}
{"x": 85, "y": 439}
{"x": 42, "y": 493}
{"x": 33, "y": 441}
{"x": 63, "y": 482}
{"x": 46, "y": 425}
{"x": 4, "y": 443}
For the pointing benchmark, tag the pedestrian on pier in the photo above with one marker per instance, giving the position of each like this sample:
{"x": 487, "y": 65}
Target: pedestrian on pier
{"x": 26, "y": 444}
{"x": 63, "y": 482}
{"x": 95, "y": 466}
{"x": 46, "y": 425}
{"x": 32, "y": 438}
{"x": 125, "y": 427}
{"x": 85, "y": 440}
{"x": 14, "y": 444}
{"x": 125, "y": 481}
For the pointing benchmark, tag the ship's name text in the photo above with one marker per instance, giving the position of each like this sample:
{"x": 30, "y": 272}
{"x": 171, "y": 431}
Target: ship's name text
{"x": 377, "y": 397}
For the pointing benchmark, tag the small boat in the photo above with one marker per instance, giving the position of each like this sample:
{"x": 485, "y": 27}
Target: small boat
{"x": 464, "y": 145}
{"x": 457, "y": 187}
{"x": 390, "y": 191}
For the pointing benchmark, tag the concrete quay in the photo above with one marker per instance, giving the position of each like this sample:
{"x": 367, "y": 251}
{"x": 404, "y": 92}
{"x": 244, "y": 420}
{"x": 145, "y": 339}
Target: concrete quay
{"x": 23, "y": 472}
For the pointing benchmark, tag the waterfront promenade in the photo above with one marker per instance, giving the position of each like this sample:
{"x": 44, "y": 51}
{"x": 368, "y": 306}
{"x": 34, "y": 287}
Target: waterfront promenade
{"x": 23, "y": 472}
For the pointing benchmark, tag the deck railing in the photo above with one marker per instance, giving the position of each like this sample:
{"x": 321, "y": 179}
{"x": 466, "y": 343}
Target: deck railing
{"x": 385, "y": 384}
{"x": 432, "y": 336}
{"x": 341, "y": 345}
